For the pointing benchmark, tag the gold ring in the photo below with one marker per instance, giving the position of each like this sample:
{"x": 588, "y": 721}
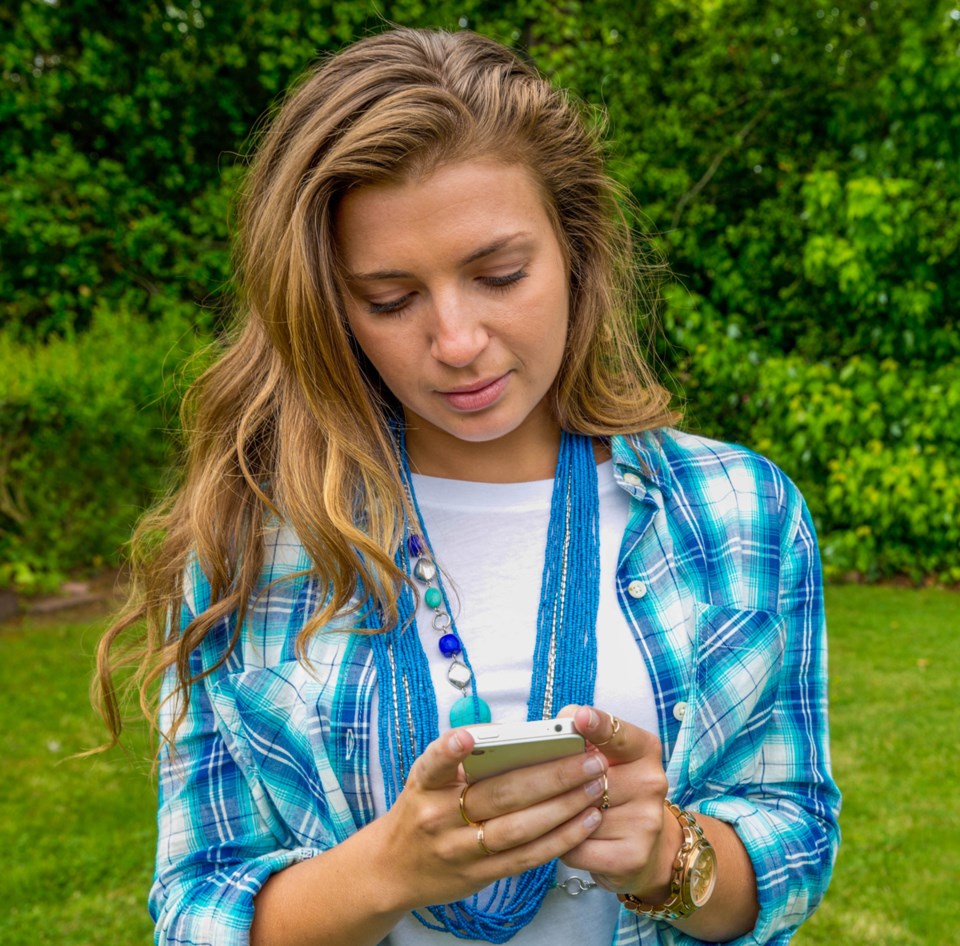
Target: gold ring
{"x": 615, "y": 728}
{"x": 605, "y": 800}
{"x": 483, "y": 847}
{"x": 463, "y": 807}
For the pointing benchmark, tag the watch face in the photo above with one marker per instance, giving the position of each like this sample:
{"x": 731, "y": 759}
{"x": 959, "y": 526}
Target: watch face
{"x": 703, "y": 876}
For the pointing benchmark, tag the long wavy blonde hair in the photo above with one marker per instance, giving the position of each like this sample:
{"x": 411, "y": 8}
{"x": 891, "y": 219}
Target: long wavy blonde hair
{"x": 291, "y": 423}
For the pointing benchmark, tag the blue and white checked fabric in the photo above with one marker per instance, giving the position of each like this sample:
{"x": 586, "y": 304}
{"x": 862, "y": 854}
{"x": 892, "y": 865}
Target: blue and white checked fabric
{"x": 719, "y": 577}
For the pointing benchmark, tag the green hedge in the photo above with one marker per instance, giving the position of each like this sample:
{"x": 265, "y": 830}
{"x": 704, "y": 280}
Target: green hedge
{"x": 799, "y": 159}
{"x": 876, "y": 450}
{"x": 87, "y": 433}
{"x": 799, "y": 165}
{"x": 873, "y": 444}
{"x": 88, "y": 428}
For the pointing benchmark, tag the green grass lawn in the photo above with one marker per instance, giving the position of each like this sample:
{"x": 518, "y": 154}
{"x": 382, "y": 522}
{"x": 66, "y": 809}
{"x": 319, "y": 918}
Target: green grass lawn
{"x": 895, "y": 724}
{"x": 77, "y": 835}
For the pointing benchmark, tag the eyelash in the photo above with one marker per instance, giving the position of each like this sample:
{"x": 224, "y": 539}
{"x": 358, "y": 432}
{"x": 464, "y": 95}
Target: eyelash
{"x": 389, "y": 308}
{"x": 497, "y": 283}
{"x": 504, "y": 282}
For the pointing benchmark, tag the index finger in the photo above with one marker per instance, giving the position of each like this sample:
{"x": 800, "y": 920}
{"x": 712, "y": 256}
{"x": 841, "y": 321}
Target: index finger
{"x": 439, "y": 765}
{"x": 618, "y": 740}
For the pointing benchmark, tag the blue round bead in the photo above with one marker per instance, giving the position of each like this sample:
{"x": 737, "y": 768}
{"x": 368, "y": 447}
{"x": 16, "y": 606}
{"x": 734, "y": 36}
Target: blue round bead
{"x": 415, "y": 545}
{"x": 450, "y": 645}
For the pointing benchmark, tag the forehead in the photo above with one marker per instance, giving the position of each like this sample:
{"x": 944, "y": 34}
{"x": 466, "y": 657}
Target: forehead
{"x": 446, "y": 214}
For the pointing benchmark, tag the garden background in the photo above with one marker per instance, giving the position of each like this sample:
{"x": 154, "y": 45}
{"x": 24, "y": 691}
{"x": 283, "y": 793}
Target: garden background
{"x": 798, "y": 163}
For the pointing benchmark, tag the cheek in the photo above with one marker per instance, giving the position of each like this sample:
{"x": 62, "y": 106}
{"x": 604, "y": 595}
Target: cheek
{"x": 364, "y": 333}
{"x": 385, "y": 352}
{"x": 560, "y": 329}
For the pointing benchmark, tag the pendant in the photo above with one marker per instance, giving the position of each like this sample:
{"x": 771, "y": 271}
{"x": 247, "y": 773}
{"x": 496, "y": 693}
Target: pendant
{"x": 468, "y": 710}
{"x": 462, "y": 712}
{"x": 425, "y": 570}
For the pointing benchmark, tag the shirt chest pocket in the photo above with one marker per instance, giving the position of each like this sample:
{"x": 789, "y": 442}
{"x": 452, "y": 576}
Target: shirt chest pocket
{"x": 736, "y": 675}
{"x": 278, "y": 719}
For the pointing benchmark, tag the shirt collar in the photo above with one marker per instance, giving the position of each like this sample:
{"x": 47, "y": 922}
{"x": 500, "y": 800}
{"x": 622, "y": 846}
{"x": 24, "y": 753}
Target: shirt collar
{"x": 639, "y": 461}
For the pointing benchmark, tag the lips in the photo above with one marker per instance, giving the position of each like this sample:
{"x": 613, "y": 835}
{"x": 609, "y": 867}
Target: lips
{"x": 475, "y": 397}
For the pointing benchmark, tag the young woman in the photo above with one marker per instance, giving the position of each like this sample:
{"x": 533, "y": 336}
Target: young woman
{"x": 431, "y": 482}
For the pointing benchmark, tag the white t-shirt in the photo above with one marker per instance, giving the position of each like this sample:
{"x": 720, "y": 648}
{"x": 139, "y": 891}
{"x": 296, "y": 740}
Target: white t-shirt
{"x": 489, "y": 541}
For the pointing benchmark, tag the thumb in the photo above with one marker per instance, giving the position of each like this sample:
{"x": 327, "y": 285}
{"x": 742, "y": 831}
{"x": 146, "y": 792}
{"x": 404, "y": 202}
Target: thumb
{"x": 617, "y": 740}
{"x": 440, "y": 763}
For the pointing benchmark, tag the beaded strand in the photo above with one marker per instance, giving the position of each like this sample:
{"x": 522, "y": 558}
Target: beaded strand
{"x": 564, "y": 667}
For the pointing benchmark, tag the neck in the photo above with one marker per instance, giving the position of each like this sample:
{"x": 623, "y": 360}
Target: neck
{"x": 497, "y": 462}
{"x": 508, "y": 459}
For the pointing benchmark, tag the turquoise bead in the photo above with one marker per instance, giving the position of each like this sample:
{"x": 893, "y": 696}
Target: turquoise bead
{"x": 462, "y": 713}
{"x": 433, "y": 598}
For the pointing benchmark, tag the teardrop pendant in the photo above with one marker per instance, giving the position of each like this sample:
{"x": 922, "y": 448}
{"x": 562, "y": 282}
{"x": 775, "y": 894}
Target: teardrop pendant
{"x": 465, "y": 713}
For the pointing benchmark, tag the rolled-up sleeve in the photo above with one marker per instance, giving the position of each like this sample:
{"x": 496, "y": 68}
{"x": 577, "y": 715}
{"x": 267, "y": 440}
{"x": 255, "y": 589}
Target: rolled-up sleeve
{"x": 215, "y": 850}
{"x": 785, "y": 811}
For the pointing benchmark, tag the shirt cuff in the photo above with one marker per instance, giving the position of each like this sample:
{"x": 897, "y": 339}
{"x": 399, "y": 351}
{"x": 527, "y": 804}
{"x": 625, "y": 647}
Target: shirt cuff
{"x": 218, "y": 910}
{"x": 787, "y": 892}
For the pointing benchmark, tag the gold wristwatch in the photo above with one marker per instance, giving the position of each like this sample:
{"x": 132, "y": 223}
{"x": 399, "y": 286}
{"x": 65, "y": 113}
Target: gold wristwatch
{"x": 694, "y": 874}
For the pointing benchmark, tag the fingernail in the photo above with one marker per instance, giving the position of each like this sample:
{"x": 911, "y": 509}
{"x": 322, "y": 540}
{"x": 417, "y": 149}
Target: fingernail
{"x": 595, "y": 788}
{"x": 593, "y": 764}
{"x": 594, "y": 718}
{"x": 592, "y": 818}
{"x": 454, "y": 742}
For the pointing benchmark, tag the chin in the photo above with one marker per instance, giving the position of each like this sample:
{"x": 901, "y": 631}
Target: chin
{"x": 481, "y": 436}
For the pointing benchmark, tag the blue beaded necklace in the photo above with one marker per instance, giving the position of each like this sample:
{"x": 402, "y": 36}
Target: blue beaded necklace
{"x": 564, "y": 668}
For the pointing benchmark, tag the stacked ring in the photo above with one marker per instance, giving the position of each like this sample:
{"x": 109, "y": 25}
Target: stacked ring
{"x": 614, "y": 729}
{"x": 605, "y": 799}
{"x": 467, "y": 820}
{"x": 479, "y": 825}
{"x": 483, "y": 847}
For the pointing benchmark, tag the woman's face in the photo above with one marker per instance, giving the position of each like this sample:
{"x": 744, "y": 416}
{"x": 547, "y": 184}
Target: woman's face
{"x": 457, "y": 291}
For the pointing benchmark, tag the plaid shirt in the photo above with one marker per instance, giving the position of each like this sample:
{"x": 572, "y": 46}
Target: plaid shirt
{"x": 272, "y": 760}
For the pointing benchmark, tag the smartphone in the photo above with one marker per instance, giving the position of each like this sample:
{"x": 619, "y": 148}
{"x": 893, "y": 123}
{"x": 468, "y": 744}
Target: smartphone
{"x": 500, "y": 747}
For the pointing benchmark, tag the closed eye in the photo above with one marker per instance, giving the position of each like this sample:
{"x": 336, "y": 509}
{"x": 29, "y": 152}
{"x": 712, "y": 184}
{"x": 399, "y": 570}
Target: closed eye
{"x": 393, "y": 305}
{"x": 502, "y": 282}
{"x": 493, "y": 282}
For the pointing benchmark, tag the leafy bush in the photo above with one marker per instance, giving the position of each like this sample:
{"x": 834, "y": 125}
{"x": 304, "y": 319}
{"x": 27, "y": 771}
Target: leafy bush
{"x": 798, "y": 164}
{"x": 873, "y": 444}
{"x": 876, "y": 448}
{"x": 86, "y": 439}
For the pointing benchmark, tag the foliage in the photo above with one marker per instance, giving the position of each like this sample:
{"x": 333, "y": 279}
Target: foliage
{"x": 800, "y": 161}
{"x": 796, "y": 163}
{"x": 873, "y": 444}
{"x": 86, "y": 434}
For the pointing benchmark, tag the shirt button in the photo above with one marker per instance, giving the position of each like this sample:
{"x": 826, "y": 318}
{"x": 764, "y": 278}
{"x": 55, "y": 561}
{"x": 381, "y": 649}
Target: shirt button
{"x": 631, "y": 479}
{"x": 679, "y": 710}
{"x": 636, "y": 589}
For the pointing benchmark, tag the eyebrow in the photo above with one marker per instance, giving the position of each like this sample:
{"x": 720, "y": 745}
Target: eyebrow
{"x": 488, "y": 250}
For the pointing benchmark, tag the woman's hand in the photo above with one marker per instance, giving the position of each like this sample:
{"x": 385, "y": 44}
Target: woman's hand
{"x": 634, "y": 848}
{"x": 529, "y": 816}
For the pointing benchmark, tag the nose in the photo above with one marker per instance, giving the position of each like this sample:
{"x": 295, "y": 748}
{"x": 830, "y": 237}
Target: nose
{"x": 459, "y": 334}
